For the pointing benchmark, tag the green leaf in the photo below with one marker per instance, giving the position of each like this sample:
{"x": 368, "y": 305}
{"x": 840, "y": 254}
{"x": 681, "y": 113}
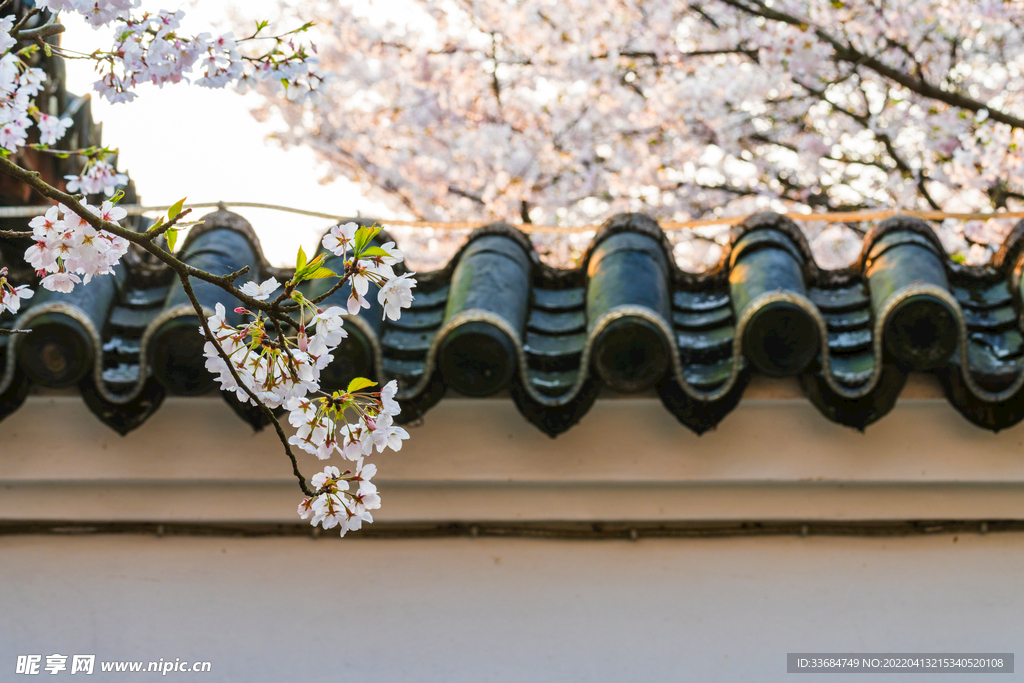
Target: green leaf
{"x": 363, "y": 237}
{"x": 172, "y": 238}
{"x": 176, "y": 208}
{"x": 319, "y": 274}
{"x": 118, "y": 196}
{"x": 359, "y": 383}
{"x": 374, "y": 251}
{"x": 156, "y": 224}
{"x": 300, "y": 261}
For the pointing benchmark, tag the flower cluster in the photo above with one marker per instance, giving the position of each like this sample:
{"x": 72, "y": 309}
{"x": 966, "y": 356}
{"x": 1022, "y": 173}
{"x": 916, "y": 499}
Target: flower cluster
{"x": 151, "y": 48}
{"x": 148, "y": 48}
{"x": 373, "y": 265}
{"x": 67, "y": 247}
{"x": 97, "y": 12}
{"x": 256, "y": 360}
{"x": 11, "y": 296}
{"x": 323, "y": 426}
{"x": 98, "y": 176}
{"x": 19, "y": 84}
{"x": 345, "y": 499}
{"x": 284, "y": 372}
{"x": 568, "y": 112}
{"x": 273, "y": 368}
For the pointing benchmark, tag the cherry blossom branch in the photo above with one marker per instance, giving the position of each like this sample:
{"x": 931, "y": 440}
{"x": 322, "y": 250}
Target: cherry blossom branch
{"x": 15, "y": 234}
{"x": 349, "y": 271}
{"x": 23, "y": 20}
{"x": 39, "y": 34}
{"x": 182, "y": 270}
{"x": 87, "y": 152}
{"x": 143, "y": 240}
{"x": 882, "y": 137}
{"x": 656, "y": 57}
{"x": 74, "y": 240}
{"x": 267, "y": 412}
{"x": 847, "y": 53}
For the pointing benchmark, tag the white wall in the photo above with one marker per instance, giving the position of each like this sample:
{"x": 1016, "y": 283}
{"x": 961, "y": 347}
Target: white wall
{"x": 477, "y": 460}
{"x": 516, "y": 610}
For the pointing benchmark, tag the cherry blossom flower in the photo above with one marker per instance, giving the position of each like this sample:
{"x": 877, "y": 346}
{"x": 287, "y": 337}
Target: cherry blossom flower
{"x": 396, "y": 295}
{"x": 13, "y": 135}
{"x": 262, "y": 291}
{"x": 60, "y": 282}
{"x": 13, "y": 297}
{"x": 7, "y": 41}
{"x": 52, "y": 128}
{"x": 356, "y": 301}
{"x": 339, "y": 239}
{"x": 111, "y": 213}
{"x": 387, "y": 398}
{"x": 10, "y": 296}
{"x": 99, "y": 177}
{"x": 330, "y": 474}
{"x": 329, "y": 325}
{"x": 47, "y": 224}
{"x": 386, "y": 435}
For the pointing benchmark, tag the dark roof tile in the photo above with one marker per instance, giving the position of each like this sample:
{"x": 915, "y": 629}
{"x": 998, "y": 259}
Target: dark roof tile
{"x": 497, "y": 318}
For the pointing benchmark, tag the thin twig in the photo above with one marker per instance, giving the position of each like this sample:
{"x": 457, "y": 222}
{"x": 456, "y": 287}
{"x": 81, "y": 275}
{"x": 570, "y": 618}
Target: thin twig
{"x": 153, "y": 234}
{"x": 249, "y": 392}
{"x": 847, "y": 53}
{"x": 33, "y": 179}
{"x": 184, "y": 271}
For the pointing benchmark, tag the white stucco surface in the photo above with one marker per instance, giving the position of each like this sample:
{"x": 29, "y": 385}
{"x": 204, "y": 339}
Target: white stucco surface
{"x": 516, "y": 610}
{"x": 473, "y": 460}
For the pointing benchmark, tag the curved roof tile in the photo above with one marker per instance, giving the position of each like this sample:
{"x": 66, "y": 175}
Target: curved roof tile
{"x": 627, "y": 318}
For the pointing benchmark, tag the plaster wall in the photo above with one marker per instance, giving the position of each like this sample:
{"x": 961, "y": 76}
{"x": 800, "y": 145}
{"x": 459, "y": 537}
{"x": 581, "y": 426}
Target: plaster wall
{"x": 510, "y": 610}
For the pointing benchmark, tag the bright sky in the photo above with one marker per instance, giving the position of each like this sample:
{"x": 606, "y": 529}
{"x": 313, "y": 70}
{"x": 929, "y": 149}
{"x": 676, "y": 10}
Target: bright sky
{"x": 188, "y": 141}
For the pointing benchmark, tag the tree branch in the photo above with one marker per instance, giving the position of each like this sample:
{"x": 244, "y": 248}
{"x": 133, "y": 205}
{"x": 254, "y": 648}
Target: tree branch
{"x": 267, "y": 412}
{"x": 847, "y": 53}
{"x": 183, "y": 271}
{"x": 225, "y": 282}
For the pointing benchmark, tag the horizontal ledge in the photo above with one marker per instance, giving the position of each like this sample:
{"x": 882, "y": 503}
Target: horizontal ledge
{"x": 541, "y": 529}
{"x": 485, "y": 440}
{"x": 442, "y": 503}
{"x": 498, "y": 484}
{"x": 919, "y": 385}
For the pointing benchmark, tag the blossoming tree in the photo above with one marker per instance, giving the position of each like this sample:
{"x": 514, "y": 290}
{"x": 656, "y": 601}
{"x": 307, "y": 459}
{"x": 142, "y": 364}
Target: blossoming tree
{"x": 565, "y": 111}
{"x": 272, "y": 361}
